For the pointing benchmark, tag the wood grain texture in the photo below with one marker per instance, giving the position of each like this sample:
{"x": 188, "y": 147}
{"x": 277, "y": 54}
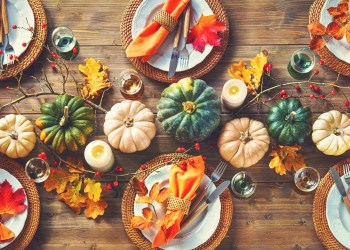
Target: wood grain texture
{"x": 277, "y": 216}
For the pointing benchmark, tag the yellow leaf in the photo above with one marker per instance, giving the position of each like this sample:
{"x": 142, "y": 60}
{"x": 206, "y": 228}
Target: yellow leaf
{"x": 76, "y": 162}
{"x": 285, "y": 158}
{"x": 73, "y": 198}
{"x": 141, "y": 222}
{"x": 144, "y": 199}
{"x": 59, "y": 180}
{"x": 163, "y": 195}
{"x": 93, "y": 189}
{"x": 154, "y": 191}
{"x": 147, "y": 213}
{"x": 94, "y": 209}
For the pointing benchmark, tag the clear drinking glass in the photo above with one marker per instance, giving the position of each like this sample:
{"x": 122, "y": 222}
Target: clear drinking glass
{"x": 301, "y": 63}
{"x": 307, "y": 179}
{"x": 37, "y": 169}
{"x": 64, "y": 42}
{"x": 243, "y": 185}
{"x": 130, "y": 83}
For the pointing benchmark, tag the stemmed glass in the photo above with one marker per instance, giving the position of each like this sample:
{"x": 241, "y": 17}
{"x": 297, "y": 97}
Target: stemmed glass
{"x": 131, "y": 85}
{"x": 301, "y": 63}
{"x": 64, "y": 42}
{"x": 243, "y": 185}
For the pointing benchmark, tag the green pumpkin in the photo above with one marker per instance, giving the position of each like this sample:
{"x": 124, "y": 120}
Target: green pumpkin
{"x": 65, "y": 123}
{"x": 289, "y": 122}
{"x": 189, "y": 110}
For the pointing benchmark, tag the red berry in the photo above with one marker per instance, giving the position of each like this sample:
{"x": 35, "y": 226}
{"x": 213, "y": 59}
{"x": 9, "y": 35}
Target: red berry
{"x": 31, "y": 28}
{"x": 24, "y": 44}
{"x": 56, "y": 163}
{"x": 197, "y": 145}
{"x": 316, "y": 71}
{"x": 322, "y": 96}
{"x": 53, "y": 66}
{"x": 321, "y": 62}
{"x": 53, "y": 171}
{"x": 109, "y": 186}
{"x": 283, "y": 92}
{"x": 98, "y": 174}
{"x": 316, "y": 88}
{"x": 115, "y": 184}
{"x": 53, "y": 53}
{"x": 121, "y": 170}
{"x": 55, "y": 56}
{"x": 197, "y": 148}
{"x": 311, "y": 86}
{"x": 8, "y": 88}
{"x": 1, "y": 51}
{"x": 14, "y": 26}
{"x": 167, "y": 159}
{"x": 43, "y": 25}
{"x": 347, "y": 104}
{"x": 11, "y": 57}
{"x": 116, "y": 170}
{"x": 297, "y": 87}
{"x": 74, "y": 50}
{"x": 284, "y": 96}
{"x": 178, "y": 150}
{"x": 335, "y": 85}
{"x": 268, "y": 67}
{"x": 142, "y": 181}
{"x": 191, "y": 161}
{"x": 143, "y": 166}
{"x": 333, "y": 92}
{"x": 204, "y": 158}
{"x": 312, "y": 96}
{"x": 184, "y": 163}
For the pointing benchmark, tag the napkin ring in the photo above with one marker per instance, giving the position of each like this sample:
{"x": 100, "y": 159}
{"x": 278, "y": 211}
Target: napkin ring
{"x": 175, "y": 203}
{"x": 165, "y": 20}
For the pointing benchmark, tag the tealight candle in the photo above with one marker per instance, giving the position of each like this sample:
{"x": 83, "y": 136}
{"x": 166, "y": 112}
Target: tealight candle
{"x": 234, "y": 93}
{"x": 99, "y": 156}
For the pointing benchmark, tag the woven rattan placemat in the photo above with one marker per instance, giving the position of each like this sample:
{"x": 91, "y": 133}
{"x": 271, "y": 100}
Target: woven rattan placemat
{"x": 319, "y": 210}
{"x": 33, "y": 218}
{"x": 330, "y": 59}
{"x": 128, "y": 208}
{"x": 196, "y": 72}
{"x": 35, "y": 47}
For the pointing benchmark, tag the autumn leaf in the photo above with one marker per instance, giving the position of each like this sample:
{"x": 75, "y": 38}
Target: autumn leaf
{"x": 11, "y": 202}
{"x": 143, "y": 222}
{"x": 206, "y": 32}
{"x": 140, "y": 189}
{"x": 334, "y": 11}
{"x": 341, "y": 18}
{"x": 155, "y": 195}
{"x": 285, "y": 158}
{"x": 94, "y": 209}
{"x": 317, "y": 43}
{"x": 163, "y": 195}
{"x": 76, "y": 162}
{"x": 154, "y": 191}
{"x": 59, "y": 180}
{"x": 96, "y": 79}
{"x": 336, "y": 30}
{"x": 73, "y": 198}
{"x": 93, "y": 189}
{"x": 343, "y": 7}
{"x": 171, "y": 217}
{"x": 316, "y": 29}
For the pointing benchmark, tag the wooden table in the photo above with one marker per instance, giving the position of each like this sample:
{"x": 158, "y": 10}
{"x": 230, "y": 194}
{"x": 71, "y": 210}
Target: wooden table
{"x": 277, "y": 216}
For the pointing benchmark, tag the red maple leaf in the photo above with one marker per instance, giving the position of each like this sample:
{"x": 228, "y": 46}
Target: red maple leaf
{"x": 206, "y": 32}
{"x": 11, "y": 202}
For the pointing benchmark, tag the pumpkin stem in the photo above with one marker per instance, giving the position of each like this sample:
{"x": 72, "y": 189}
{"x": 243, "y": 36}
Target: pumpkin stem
{"x": 65, "y": 116}
{"x": 189, "y": 107}
{"x": 338, "y": 131}
{"x": 290, "y": 117}
{"x": 13, "y": 135}
{"x": 129, "y": 122}
{"x": 245, "y": 137}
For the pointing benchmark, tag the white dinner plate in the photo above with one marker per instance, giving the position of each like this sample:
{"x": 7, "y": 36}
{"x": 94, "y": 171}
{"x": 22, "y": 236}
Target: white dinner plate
{"x": 339, "y": 48}
{"x": 16, "y": 223}
{"x": 337, "y": 216}
{"x": 194, "y": 234}
{"x": 20, "y": 14}
{"x": 161, "y": 60}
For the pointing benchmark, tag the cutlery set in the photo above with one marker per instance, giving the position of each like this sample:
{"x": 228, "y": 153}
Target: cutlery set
{"x": 339, "y": 184}
{"x": 4, "y": 37}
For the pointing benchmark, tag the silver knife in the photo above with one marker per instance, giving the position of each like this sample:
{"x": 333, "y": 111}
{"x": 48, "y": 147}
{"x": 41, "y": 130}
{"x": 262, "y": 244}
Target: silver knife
{"x": 338, "y": 182}
{"x": 175, "y": 54}
{"x": 211, "y": 199}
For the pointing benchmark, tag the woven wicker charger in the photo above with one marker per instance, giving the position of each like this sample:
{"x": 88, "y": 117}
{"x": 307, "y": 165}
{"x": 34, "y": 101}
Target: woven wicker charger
{"x": 201, "y": 69}
{"x": 29, "y": 56}
{"x": 33, "y": 218}
{"x": 128, "y": 208}
{"x": 319, "y": 210}
{"x": 330, "y": 59}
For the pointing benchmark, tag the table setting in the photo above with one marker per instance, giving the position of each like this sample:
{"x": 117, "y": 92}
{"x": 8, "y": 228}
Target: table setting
{"x": 181, "y": 135}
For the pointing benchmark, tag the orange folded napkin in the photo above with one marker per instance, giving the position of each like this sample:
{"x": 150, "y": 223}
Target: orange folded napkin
{"x": 151, "y": 38}
{"x": 5, "y": 233}
{"x": 183, "y": 183}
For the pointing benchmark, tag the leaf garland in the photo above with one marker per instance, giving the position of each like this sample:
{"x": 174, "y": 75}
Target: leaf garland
{"x": 285, "y": 158}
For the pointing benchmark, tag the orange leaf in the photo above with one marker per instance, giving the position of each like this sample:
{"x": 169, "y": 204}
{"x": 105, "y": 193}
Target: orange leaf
{"x": 144, "y": 199}
{"x": 285, "y": 158}
{"x": 205, "y": 32}
{"x": 163, "y": 195}
{"x": 317, "y": 43}
{"x": 348, "y": 36}
{"x": 73, "y": 198}
{"x": 143, "y": 223}
{"x": 335, "y": 30}
{"x": 154, "y": 191}
{"x": 334, "y": 11}
{"x": 94, "y": 209}
{"x": 340, "y": 18}
{"x": 343, "y": 7}
{"x": 76, "y": 162}
{"x": 316, "y": 29}
{"x": 11, "y": 202}
{"x": 59, "y": 180}
{"x": 140, "y": 189}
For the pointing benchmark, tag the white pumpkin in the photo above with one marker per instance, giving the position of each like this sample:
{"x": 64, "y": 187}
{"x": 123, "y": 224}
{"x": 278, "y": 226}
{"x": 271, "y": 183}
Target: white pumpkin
{"x": 129, "y": 126}
{"x": 243, "y": 142}
{"x": 331, "y": 133}
{"x": 17, "y": 136}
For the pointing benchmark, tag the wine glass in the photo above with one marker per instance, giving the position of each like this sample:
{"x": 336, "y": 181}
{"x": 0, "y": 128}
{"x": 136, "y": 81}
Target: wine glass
{"x": 64, "y": 42}
{"x": 131, "y": 85}
{"x": 37, "y": 170}
{"x": 307, "y": 179}
{"x": 301, "y": 63}
{"x": 243, "y": 185}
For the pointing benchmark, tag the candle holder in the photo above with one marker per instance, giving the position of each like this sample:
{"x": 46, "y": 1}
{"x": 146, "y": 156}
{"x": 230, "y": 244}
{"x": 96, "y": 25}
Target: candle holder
{"x": 233, "y": 94}
{"x": 242, "y": 185}
{"x": 99, "y": 155}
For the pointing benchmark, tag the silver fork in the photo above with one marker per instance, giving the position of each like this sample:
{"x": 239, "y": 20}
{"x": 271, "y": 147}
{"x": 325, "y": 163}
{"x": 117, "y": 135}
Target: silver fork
{"x": 346, "y": 169}
{"x": 8, "y": 48}
{"x": 184, "y": 55}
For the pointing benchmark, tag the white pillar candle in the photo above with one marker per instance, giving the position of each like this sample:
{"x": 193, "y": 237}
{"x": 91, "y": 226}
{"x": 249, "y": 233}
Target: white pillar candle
{"x": 233, "y": 93}
{"x": 99, "y": 156}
